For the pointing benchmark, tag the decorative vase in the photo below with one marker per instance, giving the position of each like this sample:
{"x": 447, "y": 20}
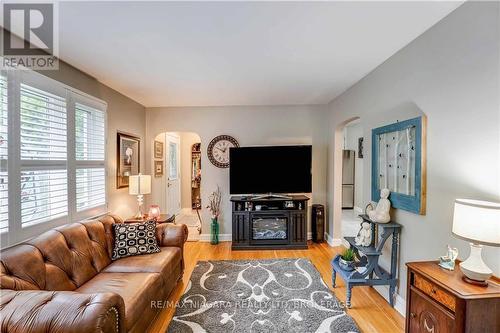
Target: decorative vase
{"x": 214, "y": 231}
{"x": 346, "y": 265}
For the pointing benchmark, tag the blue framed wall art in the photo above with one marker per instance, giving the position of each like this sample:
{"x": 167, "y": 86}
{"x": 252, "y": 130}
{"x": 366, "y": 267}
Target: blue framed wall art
{"x": 399, "y": 163}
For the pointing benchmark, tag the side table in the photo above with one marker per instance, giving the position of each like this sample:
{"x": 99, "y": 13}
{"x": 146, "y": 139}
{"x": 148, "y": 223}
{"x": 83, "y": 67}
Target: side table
{"x": 368, "y": 271}
{"x": 163, "y": 218}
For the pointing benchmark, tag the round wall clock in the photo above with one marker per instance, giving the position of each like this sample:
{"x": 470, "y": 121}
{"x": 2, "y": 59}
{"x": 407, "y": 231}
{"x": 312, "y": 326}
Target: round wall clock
{"x": 218, "y": 150}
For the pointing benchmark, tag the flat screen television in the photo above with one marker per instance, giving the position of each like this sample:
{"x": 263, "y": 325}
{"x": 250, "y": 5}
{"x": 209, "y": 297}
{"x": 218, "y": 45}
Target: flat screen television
{"x": 270, "y": 169}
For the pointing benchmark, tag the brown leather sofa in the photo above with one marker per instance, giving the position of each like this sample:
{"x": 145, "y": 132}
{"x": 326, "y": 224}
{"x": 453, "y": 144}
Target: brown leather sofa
{"x": 64, "y": 280}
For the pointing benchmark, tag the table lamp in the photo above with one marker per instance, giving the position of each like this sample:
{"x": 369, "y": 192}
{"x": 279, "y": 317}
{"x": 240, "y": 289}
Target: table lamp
{"x": 154, "y": 212}
{"x": 139, "y": 185}
{"x": 479, "y": 223}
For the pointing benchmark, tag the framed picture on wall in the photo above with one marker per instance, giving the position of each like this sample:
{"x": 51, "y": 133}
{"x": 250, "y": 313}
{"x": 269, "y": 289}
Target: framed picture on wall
{"x": 127, "y": 158}
{"x": 360, "y": 147}
{"x": 158, "y": 168}
{"x": 158, "y": 149}
{"x": 399, "y": 163}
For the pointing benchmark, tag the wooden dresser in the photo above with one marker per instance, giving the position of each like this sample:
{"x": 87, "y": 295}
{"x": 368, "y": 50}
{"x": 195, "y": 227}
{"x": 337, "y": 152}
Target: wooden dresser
{"x": 438, "y": 301}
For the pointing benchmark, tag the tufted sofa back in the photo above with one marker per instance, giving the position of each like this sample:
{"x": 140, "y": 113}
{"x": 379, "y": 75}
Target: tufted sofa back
{"x": 59, "y": 259}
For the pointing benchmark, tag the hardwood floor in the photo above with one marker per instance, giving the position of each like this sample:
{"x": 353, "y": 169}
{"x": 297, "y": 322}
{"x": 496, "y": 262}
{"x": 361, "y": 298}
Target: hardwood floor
{"x": 370, "y": 311}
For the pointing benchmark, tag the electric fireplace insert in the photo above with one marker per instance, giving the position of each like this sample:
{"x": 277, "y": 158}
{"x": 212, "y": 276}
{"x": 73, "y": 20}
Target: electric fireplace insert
{"x": 269, "y": 228}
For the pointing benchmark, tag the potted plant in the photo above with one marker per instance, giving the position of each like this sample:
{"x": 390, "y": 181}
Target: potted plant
{"x": 346, "y": 260}
{"x": 214, "y": 207}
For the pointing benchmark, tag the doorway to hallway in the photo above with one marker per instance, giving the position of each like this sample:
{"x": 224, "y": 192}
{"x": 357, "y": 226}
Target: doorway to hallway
{"x": 352, "y": 178}
{"x": 176, "y": 185}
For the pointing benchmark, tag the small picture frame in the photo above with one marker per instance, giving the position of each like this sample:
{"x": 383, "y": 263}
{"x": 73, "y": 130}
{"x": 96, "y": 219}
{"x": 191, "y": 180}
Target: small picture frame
{"x": 158, "y": 168}
{"x": 360, "y": 147}
{"x": 158, "y": 149}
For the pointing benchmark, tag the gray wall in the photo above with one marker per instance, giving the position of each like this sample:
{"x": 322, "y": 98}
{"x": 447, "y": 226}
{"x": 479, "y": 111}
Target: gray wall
{"x": 260, "y": 125}
{"x": 450, "y": 74}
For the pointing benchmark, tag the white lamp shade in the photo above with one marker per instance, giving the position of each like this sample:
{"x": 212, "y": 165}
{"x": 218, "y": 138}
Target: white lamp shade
{"x": 139, "y": 184}
{"x": 477, "y": 221}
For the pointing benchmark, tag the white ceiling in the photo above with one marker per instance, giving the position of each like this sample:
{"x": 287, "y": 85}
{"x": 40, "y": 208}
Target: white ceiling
{"x": 237, "y": 53}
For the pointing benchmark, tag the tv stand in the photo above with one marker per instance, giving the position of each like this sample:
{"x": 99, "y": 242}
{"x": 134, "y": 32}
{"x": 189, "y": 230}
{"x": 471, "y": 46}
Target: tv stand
{"x": 271, "y": 196}
{"x": 269, "y": 222}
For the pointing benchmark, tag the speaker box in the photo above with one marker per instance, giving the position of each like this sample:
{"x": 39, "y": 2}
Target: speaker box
{"x": 318, "y": 223}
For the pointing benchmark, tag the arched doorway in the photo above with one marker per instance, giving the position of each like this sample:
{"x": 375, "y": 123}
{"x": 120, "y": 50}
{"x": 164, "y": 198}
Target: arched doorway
{"x": 176, "y": 182}
{"x": 348, "y": 178}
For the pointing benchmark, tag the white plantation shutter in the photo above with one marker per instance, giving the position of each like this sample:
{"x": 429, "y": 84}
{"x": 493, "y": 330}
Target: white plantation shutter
{"x": 44, "y": 196}
{"x": 90, "y": 150}
{"x": 89, "y": 123}
{"x": 4, "y": 181}
{"x": 56, "y": 138}
{"x": 90, "y": 188}
{"x": 43, "y": 125}
{"x": 43, "y": 131}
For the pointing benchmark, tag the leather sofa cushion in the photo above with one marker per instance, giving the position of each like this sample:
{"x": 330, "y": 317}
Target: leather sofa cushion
{"x": 138, "y": 290}
{"x": 162, "y": 262}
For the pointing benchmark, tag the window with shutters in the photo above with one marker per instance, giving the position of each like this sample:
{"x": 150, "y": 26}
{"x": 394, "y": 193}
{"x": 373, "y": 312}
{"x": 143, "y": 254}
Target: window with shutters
{"x": 59, "y": 157}
{"x": 4, "y": 180}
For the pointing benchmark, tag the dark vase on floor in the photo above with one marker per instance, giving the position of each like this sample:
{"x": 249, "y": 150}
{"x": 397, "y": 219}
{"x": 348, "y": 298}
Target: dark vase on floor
{"x": 214, "y": 232}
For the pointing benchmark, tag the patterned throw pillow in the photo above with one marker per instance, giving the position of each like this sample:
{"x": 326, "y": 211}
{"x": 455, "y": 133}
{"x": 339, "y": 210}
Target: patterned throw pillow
{"x": 134, "y": 239}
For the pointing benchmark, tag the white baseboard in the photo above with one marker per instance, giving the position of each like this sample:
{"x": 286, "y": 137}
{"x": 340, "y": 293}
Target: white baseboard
{"x": 399, "y": 304}
{"x": 332, "y": 241}
{"x": 222, "y": 237}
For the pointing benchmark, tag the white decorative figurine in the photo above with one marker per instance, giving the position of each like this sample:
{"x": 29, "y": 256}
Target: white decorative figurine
{"x": 364, "y": 237}
{"x": 448, "y": 261}
{"x": 381, "y": 213}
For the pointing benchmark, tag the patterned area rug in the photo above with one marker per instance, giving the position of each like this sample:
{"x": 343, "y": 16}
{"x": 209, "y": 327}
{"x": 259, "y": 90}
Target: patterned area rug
{"x": 279, "y": 295}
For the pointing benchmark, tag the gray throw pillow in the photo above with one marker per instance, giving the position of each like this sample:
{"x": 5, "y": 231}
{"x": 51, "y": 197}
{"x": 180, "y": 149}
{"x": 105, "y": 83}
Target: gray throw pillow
{"x": 132, "y": 239}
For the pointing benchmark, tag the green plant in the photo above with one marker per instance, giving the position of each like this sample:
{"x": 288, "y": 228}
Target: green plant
{"x": 348, "y": 255}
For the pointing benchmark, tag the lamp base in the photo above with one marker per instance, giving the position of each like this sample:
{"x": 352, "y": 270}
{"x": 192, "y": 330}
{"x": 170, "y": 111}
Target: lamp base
{"x": 474, "y": 268}
{"x": 475, "y": 282}
{"x": 140, "y": 199}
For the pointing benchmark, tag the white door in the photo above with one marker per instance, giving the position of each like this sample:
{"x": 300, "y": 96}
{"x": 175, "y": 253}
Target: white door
{"x": 172, "y": 170}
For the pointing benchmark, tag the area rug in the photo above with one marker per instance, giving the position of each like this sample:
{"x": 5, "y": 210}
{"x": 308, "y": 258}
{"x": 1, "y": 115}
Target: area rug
{"x": 279, "y": 295}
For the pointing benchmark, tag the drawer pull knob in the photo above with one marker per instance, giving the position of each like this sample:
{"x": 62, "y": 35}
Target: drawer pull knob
{"x": 433, "y": 290}
{"x": 412, "y": 314}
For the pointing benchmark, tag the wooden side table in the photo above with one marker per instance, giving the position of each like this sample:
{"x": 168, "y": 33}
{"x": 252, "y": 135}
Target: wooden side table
{"x": 438, "y": 300}
{"x": 164, "y": 218}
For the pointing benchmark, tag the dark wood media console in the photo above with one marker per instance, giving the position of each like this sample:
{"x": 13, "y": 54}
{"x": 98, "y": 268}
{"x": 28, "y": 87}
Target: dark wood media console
{"x": 269, "y": 223}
